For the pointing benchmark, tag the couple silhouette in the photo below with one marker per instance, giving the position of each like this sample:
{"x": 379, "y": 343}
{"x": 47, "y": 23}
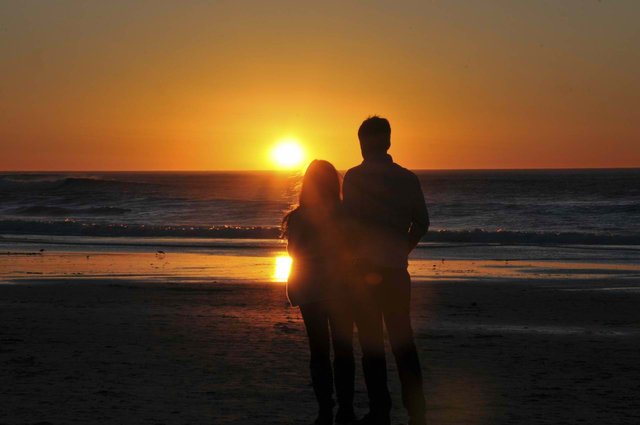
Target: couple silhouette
{"x": 350, "y": 266}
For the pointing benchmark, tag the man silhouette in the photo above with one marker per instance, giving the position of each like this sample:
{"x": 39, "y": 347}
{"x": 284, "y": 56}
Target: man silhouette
{"x": 387, "y": 216}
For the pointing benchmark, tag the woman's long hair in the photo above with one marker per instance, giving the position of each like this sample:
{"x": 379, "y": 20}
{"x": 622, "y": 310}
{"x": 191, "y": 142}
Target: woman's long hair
{"x": 320, "y": 192}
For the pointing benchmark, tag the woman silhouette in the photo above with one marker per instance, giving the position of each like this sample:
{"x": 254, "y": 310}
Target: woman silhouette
{"x": 317, "y": 285}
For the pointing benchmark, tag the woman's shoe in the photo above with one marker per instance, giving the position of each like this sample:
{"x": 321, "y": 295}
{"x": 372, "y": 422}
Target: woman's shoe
{"x": 345, "y": 416}
{"x": 320, "y": 420}
{"x": 325, "y": 417}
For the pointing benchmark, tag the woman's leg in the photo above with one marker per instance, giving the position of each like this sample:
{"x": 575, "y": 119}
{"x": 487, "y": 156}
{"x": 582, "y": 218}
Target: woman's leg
{"x": 316, "y": 321}
{"x": 341, "y": 321}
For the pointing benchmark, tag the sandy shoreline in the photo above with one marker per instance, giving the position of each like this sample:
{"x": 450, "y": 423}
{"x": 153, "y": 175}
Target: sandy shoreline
{"x": 23, "y": 263}
{"x": 535, "y": 350}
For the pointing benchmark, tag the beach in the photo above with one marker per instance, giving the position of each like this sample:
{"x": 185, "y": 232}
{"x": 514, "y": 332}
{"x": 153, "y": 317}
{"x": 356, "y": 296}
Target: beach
{"x": 159, "y": 298}
{"x": 128, "y": 340}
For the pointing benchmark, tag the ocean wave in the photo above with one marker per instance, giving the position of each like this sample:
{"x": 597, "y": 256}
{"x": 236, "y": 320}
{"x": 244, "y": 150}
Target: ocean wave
{"x": 527, "y": 237}
{"x": 92, "y": 183}
{"x": 48, "y": 211}
{"x": 21, "y": 183}
{"x": 79, "y": 228}
{"x": 38, "y": 182}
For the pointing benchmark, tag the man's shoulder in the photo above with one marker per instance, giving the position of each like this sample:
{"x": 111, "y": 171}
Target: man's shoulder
{"x": 391, "y": 168}
{"x": 353, "y": 173}
{"x": 403, "y": 172}
{"x": 354, "y": 170}
{"x": 401, "y": 169}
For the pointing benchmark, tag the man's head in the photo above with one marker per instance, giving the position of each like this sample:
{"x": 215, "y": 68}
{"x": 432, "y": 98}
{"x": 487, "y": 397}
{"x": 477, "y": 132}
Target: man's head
{"x": 375, "y": 136}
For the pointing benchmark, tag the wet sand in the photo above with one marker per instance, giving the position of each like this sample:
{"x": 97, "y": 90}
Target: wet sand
{"x": 540, "y": 349}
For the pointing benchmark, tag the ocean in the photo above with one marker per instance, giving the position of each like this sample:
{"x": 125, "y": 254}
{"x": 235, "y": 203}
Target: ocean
{"x": 515, "y": 208}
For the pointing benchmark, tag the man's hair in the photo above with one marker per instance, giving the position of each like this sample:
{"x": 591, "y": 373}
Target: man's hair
{"x": 375, "y": 135}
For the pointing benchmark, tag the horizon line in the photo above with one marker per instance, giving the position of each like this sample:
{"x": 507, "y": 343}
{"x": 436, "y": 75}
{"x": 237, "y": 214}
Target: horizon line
{"x": 293, "y": 170}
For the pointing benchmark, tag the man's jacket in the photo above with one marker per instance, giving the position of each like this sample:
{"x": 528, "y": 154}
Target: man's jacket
{"x": 386, "y": 210}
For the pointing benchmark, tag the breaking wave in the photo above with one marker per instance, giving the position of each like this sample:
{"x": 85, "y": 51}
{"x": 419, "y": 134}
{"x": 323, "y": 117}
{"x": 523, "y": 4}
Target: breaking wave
{"x": 79, "y": 228}
{"x": 45, "y": 211}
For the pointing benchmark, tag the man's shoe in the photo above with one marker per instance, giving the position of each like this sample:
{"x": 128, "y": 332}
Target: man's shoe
{"x": 375, "y": 419}
{"x": 345, "y": 417}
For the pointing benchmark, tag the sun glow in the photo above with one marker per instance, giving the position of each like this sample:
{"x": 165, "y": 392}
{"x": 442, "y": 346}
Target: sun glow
{"x": 283, "y": 267}
{"x": 287, "y": 153}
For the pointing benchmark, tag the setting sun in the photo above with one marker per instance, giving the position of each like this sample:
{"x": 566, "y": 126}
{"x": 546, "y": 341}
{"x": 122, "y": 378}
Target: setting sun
{"x": 287, "y": 153}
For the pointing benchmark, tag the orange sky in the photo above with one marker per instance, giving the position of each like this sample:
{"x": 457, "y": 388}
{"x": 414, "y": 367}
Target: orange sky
{"x": 206, "y": 85}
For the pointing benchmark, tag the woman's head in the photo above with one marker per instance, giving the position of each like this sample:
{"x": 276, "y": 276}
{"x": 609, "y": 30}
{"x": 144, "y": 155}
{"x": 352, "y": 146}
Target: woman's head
{"x": 320, "y": 193}
{"x": 320, "y": 186}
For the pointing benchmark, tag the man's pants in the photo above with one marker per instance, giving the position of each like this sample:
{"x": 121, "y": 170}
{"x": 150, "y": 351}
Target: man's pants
{"x": 385, "y": 293}
{"x": 318, "y": 318}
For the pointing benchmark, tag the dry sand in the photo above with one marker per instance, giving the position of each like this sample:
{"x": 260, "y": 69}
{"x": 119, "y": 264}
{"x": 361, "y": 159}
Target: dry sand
{"x": 123, "y": 351}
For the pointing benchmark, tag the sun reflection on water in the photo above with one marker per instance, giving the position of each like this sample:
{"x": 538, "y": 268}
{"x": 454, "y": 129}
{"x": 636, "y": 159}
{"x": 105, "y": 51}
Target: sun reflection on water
{"x": 282, "y": 268}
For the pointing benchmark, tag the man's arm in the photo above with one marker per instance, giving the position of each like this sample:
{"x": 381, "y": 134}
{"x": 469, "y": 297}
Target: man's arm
{"x": 419, "y": 216}
{"x": 350, "y": 205}
{"x": 348, "y": 195}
